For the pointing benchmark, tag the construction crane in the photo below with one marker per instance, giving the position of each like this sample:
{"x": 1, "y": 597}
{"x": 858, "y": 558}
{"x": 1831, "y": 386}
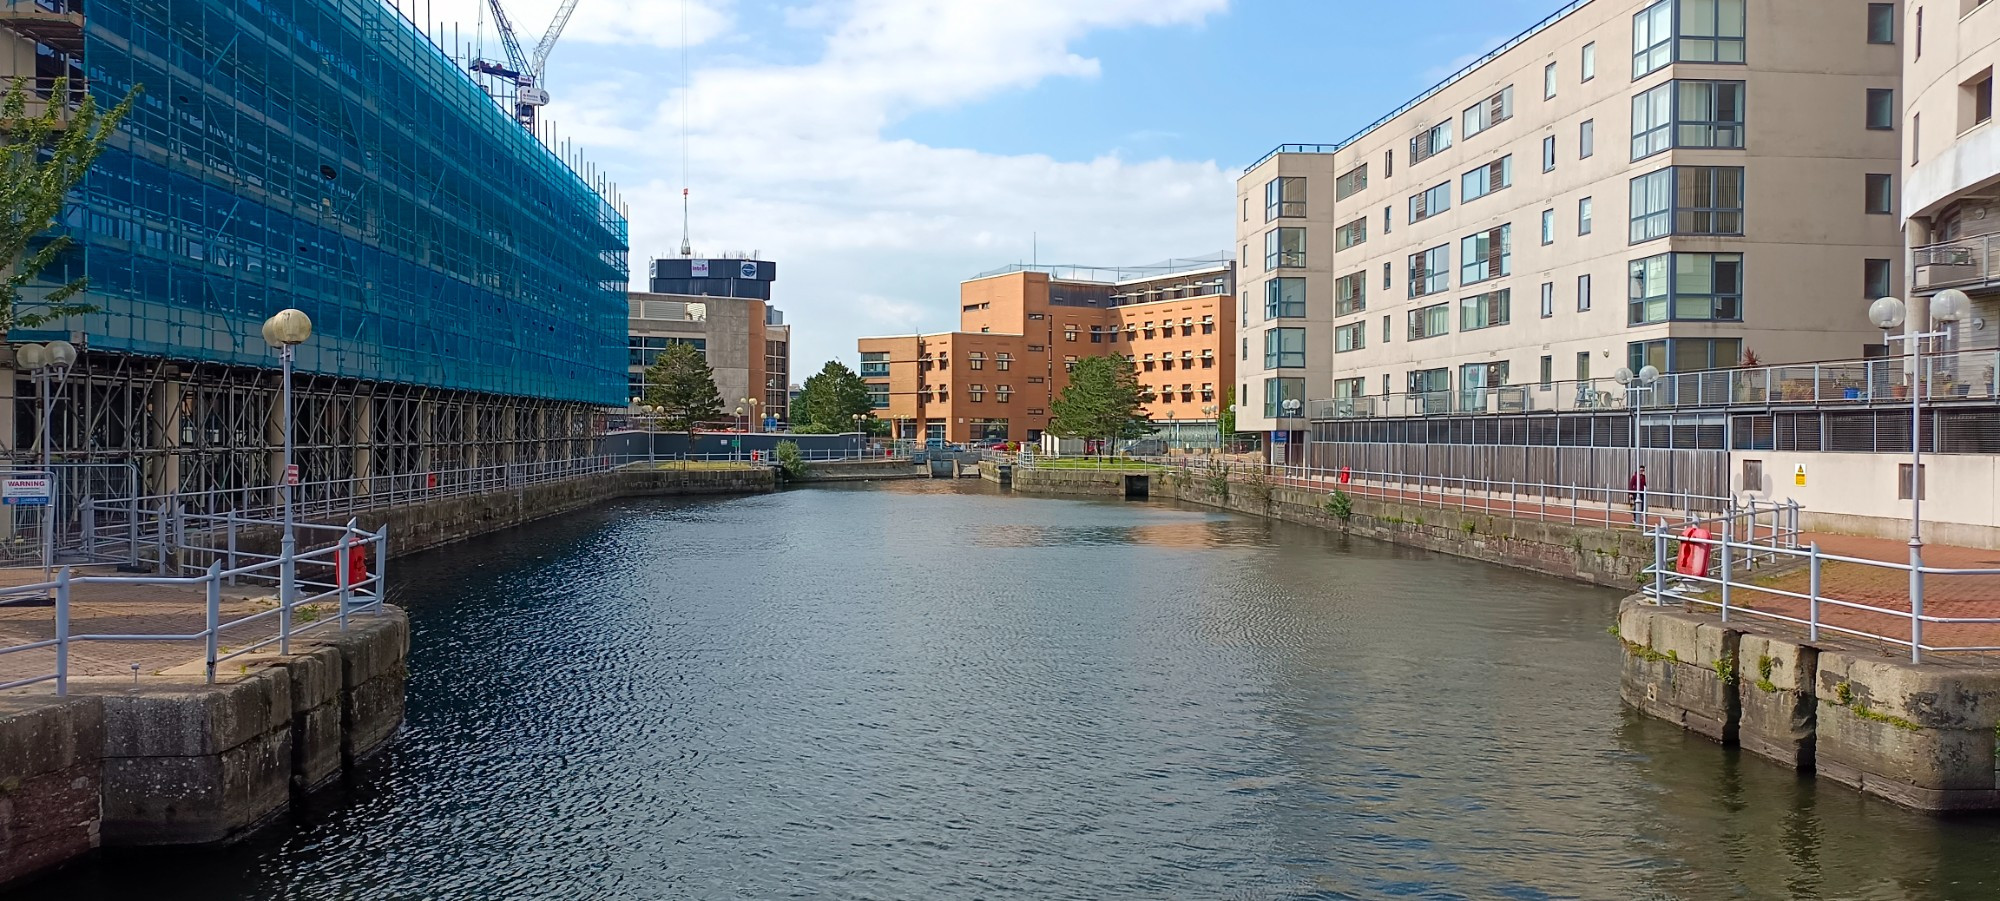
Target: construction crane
{"x": 523, "y": 69}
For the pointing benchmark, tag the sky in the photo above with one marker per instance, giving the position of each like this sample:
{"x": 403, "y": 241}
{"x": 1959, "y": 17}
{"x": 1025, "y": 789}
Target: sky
{"x": 882, "y": 151}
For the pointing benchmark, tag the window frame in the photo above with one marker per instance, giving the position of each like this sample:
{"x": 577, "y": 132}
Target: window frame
{"x": 1277, "y": 305}
{"x": 1275, "y": 254}
{"x": 1356, "y": 300}
{"x": 1548, "y": 300}
{"x": 1883, "y": 14}
{"x": 1502, "y": 167}
{"x": 1586, "y": 139}
{"x": 1489, "y": 112}
{"x": 1351, "y": 182}
{"x": 1888, "y": 121}
{"x": 1638, "y": 309}
{"x": 1548, "y": 227}
{"x": 1353, "y": 334}
{"x": 1586, "y": 212}
{"x": 1424, "y": 199}
{"x": 1668, "y": 134}
{"x": 1417, "y": 326}
{"x": 1277, "y": 355}
{"x": 1431, "y": 141}
{"x": 1548, "y": 153}
{"x": 1422, "y": 274}
{"x": 1351, "y": 234}
{"x": 1476, "y": 265}
{"x": 1278, "y": 203}
{"x": 1869, "y": 184}
{"x": 1493, "y": 308}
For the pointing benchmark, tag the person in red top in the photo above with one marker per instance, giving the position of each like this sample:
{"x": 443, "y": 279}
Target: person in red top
{"x": 1637, "y": 487}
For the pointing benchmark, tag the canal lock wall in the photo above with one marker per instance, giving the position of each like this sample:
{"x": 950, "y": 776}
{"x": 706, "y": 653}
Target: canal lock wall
{"x": 178, "y": 761}
{"x": 1926, "y": 736}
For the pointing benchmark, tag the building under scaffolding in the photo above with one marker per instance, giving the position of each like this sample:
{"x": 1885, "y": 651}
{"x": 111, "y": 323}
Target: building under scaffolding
{"x": 467, "y": 288}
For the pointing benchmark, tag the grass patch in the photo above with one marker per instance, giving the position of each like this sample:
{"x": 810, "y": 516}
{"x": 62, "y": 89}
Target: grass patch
{"x": 1093, "y": 463}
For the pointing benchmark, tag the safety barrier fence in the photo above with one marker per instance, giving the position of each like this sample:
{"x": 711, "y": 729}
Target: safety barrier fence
{"x": 1714, "y": 565}
{"x": 335, "y": 572}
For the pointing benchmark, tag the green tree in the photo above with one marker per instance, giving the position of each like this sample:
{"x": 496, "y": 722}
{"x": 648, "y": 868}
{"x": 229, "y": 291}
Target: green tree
{"x": 44, "y": 152}
{"x": 683, "y": 387}
{"x": 1225, "y": 420}
{"x": 829, "y": 400}
{"x": 1103, "y": 400}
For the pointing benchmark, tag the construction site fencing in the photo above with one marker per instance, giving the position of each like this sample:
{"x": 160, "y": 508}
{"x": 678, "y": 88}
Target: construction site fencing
{"x": 305, "y": 583}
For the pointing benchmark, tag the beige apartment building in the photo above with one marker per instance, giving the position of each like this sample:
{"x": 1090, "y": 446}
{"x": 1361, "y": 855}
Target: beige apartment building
{"x": 1680, "y": 183}
{"x": 1951, "y": 183}
{"x": 746, "y": 342}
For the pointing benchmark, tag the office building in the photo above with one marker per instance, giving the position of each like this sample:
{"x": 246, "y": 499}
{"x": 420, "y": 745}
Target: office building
{"x": 745, "y": 340}
{"x": 1021, "y": 330}
{"x": 1951, "y": 181}
{"x": 1676, "y": 183}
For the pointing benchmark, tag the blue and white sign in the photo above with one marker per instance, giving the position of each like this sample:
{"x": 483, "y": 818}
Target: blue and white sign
{"x": 1280, "y": 437}
{"x": 698, "y": 268}
{"x": 25, "y": 491}
{"x": 749, "y": 269}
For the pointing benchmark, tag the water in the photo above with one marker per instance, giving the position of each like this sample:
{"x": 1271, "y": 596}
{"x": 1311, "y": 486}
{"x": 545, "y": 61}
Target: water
{"x": 929, "y": 690}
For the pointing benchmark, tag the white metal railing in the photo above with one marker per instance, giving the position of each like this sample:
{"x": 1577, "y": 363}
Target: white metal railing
{"x": 304, "y": 581}
{"x": 1960, "y": 263}
{"x": 1883, "y": 381}
{"x": 1819, "y": 600}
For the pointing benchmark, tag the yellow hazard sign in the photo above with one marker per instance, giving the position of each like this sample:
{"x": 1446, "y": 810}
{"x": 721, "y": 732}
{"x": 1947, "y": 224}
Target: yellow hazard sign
{"x": 1799, "y": 475}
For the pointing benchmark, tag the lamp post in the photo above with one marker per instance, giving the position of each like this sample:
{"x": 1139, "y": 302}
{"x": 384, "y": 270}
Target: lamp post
{"x": 1173, "y": 433}
{"x": 1641, "y": 383}
{"x": 45, "y": 360}
{"x": 737, "y": 454}
{"x": 860, "y": 432}
{"x": 1888, "y": 313}
{"x": 1209, "y": 410}
{"x": 286, "y": 329}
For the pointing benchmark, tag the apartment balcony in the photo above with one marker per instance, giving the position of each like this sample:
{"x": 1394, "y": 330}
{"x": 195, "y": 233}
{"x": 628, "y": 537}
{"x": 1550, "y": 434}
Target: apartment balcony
{"x": 57, "y": 24}
{"x": 1966, "y": 264}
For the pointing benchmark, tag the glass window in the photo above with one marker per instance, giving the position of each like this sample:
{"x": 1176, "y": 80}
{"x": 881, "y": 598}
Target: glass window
{"x": 1652, "y": 38}
{"x": 1349, "y": 337}
{"x": 1583, "y": 292}
{"x": 1350, "y": 294}
{"x": 1711, "y": 31}
{"x": 1709, "y": 114}
{"x": 1685, "y": 354}
{"x": 1875, "y": 278}
{"x": 1583, "y": 211}
{"x": 1652, "y": 121}
{"x": 1548, "y": 227}
{"x": 1430, "y": 271}
{"x": 1483, "y": 310}
{"x": 1284, "y": 196}
{"x": 1881, "y": 23}
{"x": 1586, "y": 139}
{"x": 1548, "y": 81}
{"x": 1430, "y": 143}
{"x": 1548, "y": 299}
{"x": 1486, "y": 179}
{"x": 1486, "y": 255}
{"x": 1351, "y": 234}
{"x": 1878, "y": 193}
{"x": 1387, "y": 271}
{"x": 1430, "y": 321}
{"x": 1351, "y": 183}
{"x": 1284, "y": 348}
{"x": 1284, "y": 397}
{"x": 1649, "y": 290}
{"x": 1285, "y": 248}
{"x": 1285, "y": 298}
{"x": 1881, "y": 109}
{"x": 1430, "y": 203}
{"x": 1489, "y": 112}
{"x": 1708, "y": 200}
{"x": 1548, "y": 370}
{"x": 1703, "y": 287}
{"x": 1430, "y": 381}
{"x": 1589, "y": 61}
{"x": 1548, "y": 153}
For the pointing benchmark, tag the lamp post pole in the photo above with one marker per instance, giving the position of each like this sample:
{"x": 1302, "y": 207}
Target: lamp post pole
{"x": 40, "y": 359}
{"x": 1888, "y": 313}
{"x": 1637, "y": 384}
{"x": 285, "y": 330}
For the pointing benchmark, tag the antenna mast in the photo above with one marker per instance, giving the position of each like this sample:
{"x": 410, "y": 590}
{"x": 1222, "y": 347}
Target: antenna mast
{"x": 687, "y": 248}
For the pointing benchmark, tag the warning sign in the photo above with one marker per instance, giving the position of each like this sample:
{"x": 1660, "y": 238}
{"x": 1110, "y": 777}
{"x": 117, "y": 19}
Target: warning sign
{"x": 1799, "y": 475}
{"x": 25, "y": 491}
{"x": 292, "y": 475}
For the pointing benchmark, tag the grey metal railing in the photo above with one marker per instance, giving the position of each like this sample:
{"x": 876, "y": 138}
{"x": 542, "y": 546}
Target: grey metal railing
{"x": 1953, "y": 264}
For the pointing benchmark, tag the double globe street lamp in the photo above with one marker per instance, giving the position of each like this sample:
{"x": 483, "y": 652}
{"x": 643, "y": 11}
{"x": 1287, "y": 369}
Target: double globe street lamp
{"x": 46, "y": 361}
{"x": 285, "y": 330}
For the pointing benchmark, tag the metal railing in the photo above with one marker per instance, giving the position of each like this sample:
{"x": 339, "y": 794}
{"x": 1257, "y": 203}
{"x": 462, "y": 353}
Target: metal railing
{"x": 1950, "y": 264}
{"x": 1824, "y": 593}
{"x": 1950, "y": 376}
{"x": 304, "y": 581}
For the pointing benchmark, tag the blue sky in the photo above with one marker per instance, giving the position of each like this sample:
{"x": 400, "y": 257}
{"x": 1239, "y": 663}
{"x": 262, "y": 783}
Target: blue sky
{"x": 883, "y": 150}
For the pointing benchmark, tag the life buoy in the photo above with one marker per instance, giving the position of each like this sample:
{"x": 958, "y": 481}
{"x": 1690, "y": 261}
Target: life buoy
{"x": 357, "y": 565}
{"x": 1694, "y": 553}
{"x": 1345, "y": 477}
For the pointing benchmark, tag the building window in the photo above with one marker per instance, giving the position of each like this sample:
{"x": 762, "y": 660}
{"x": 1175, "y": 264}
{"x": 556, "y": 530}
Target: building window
{"x": 1430, "y": 271}
{"x": 1687, "y": 200}
{"x": 1486, "y": 179}
{"x": 1003, "y": 362}
{"x": 1486, "y": 255}
{"x": 1246, "y": 350}
{"x": 1388, "y": 163}
{"x": 1284, "y": 248}
{"x": 1003, "y": 393}
{"x": 1347, "y": 389}
{"x": 1687, "y": 287}
{"x": 1711, "y": 31}
{"x": 1916, "y": 133}
{"x": 1351, "y": 234}
{"x": 1385, "y": 328}
{"x": 1430, "y": 382}
{"x": 1353, "y": 336}
{"x": 1878, "y": 193}
{"x": 1875, "y": 275}
{"x": 1589, "y": 66}
{"x": 1432, "y": 142}
{"x": 1685, "y": 354}
{"x": 1881, "y": 109}
{"x": 1208, "y": 325}
{"x": 1351, "y": 183}
{"x": 1977, "y": 100}
{"x": 1284, "y": 397}
{"x": 1548, "y": 153}
{"x": 1069, "y": 364}
{"x": 1069, "y": 333}
{"x": 1430, "y": 321}
{"x": 1284, "y": 197}
{"x": 1350, "y": 294}
{"x": 1388, "y": 219}
{"x": 1430, "y": 203}
{"x": 1386, "y": 275}
{"x": 1548, "y": 227}
{"x": 1652, "y": 38}
{"x": 1097, "y": 334}
{"x": 1583, "y": 366}
{"x": 1687, "y": 114}
{"x": 1284, "y": 348}
{"x": 1548, "y": 372}
{"x": 1549, "y": 81}
{"x": 1548, "y": 299}
{"x": 1034, "y": 380}
{"x": 1489, "y": 112}
{"x": 1881, "y": 23}
{"x": 1583, "y": 223}
{"x": 1583, "y": 293}
{"x": 978, "y": 360}
{"x": 1586, "y": 139}
{"x": 1484, "y": 310}
{"x": 977, "y": 393}
{"x": 1037, "y": 317}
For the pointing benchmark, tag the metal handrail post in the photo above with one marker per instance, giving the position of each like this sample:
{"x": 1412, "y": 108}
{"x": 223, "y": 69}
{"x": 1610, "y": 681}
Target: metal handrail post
{"x": 381, "y": 566}
{"x": 62, "y": 632}
{"x": 88, "y": 523}
{"x": 342, "y": 573}
{"x": 230, "y": 519}
{"x": 1728, "y": 527}
{"x": 214, "y": 623}
{"x": 160, "y": 540}
{"x": 1812, "y": 608}
{"x": 1660, "y": 563}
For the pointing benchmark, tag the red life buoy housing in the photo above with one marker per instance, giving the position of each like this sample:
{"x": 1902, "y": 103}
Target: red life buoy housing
{"x": 357, "y": 565}
{"x": 1344, "y": 476}
{"x": 1694, "y": 554}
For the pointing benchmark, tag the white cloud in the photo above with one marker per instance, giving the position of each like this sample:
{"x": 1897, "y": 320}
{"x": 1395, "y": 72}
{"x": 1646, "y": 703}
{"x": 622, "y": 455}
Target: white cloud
{"x": 872, "y": 234}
